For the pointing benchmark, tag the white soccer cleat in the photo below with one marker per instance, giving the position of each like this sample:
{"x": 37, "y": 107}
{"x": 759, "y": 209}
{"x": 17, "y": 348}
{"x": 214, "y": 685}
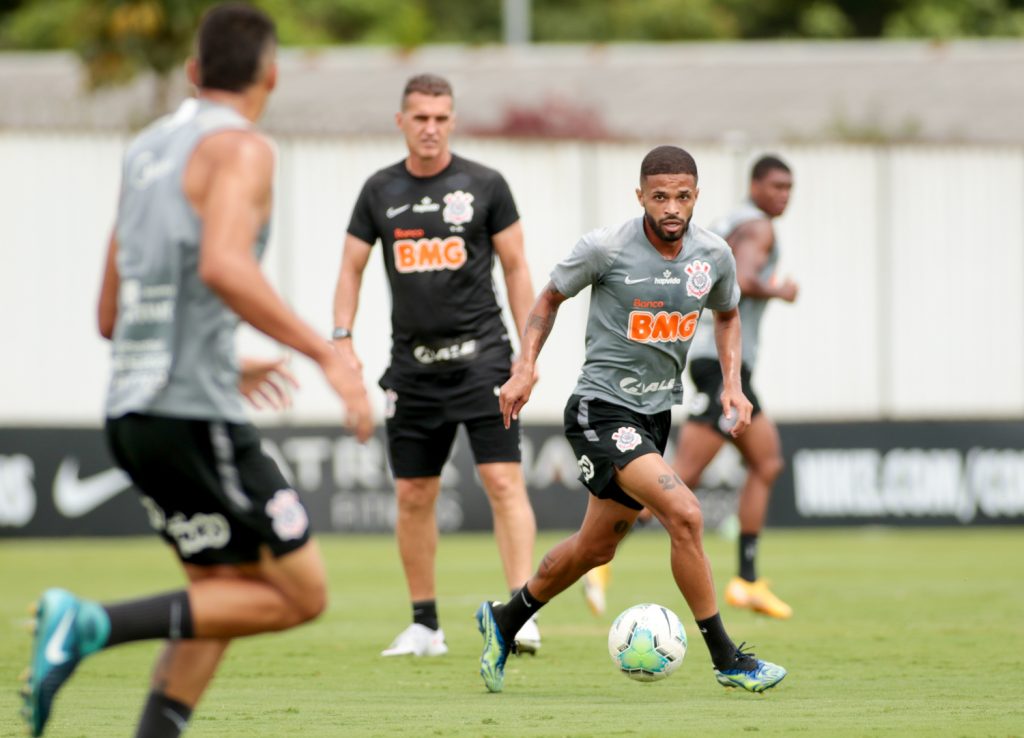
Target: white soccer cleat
{"x": 528, "y": 638}
{"x": 417, "y": 640}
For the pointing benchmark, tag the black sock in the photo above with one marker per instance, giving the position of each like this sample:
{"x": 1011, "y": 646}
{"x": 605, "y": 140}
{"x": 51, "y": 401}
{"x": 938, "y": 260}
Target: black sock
{"x": 163, "y": 717}
{"x": 161, "y": 616}
{"x": 723, "y": 650}
{"x": 520, "y": 607}
{"x": 424, "y": 612}
{"x": 748, "y": 556}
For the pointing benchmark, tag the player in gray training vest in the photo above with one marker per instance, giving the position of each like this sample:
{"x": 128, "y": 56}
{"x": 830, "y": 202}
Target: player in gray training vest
{"x": 182, "y": 269}
{"x": 749, "y": 232}
{"x": 650, "y": 278}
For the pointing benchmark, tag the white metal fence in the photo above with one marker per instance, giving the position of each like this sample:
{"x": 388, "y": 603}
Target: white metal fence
{"x": 910, "y": 261}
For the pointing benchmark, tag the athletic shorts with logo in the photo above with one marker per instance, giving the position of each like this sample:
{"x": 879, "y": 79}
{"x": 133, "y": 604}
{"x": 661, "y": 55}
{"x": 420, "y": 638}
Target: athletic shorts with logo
{"x": 208, "y": 488}
{"x": 422, "y": 419}
{"x": 706, "y": 406}
{"x": 605, "y": 437}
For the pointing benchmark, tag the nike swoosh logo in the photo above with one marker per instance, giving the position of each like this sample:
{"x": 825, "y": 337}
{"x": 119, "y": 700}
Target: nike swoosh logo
{"x": 55, "y": 652}
{"x": 525, "y": 601}
{"x": 74, "y": 497}
{"x": 392, "y": 212}
{"x": 635, "y": 281}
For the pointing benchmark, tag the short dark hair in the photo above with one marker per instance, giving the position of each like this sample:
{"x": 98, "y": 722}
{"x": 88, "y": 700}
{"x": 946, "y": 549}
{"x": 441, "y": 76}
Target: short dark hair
{"x": 667, "y": 160}
{"x": 427, "y": 84}
{"x": 767, "y": 164}
{"x": 232, "y": 41}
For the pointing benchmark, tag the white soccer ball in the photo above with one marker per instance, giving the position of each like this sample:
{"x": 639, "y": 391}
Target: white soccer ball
{"x": 647, "y": 642}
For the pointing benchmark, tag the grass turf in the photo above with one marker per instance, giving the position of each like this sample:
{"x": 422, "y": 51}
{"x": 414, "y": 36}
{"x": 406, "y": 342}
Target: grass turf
{"x": 895, "y": 632}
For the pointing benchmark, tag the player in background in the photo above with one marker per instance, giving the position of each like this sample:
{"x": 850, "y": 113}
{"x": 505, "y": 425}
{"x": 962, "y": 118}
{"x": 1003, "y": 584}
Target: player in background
{"x": 441, "y": 220}
{"x": 749, "y": 232}
{"x": 181, "y": 270}
{"x": 650, "y": 279}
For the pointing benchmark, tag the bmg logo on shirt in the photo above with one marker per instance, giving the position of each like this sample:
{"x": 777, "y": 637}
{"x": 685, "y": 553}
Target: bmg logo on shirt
{"x": 429, "y": 254}
{"x": 661, "y": 327}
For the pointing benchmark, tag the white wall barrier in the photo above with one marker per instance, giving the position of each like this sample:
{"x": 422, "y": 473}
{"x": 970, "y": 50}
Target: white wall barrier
{"x": 910, "y": 261}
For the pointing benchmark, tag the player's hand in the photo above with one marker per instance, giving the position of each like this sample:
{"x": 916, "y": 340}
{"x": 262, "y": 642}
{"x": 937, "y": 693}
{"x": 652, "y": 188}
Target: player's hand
{"x": 516, "y": 392}
{"x": 738, "y": 409}
{"x": 788, "y": 290}
{"x": 267, "y": 383}
{"x": 347, "y": 382}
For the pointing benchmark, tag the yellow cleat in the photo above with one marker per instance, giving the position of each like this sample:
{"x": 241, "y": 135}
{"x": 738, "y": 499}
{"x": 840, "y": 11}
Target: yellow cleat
{"x": 757, "y": 597}
{"x": 595, "y": 582}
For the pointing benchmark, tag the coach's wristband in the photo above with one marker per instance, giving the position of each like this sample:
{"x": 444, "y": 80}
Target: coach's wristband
{"x": 340, "y": 333}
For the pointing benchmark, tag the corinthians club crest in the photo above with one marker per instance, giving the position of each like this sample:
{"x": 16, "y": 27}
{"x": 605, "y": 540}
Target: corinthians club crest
{"x": 458, "y": 207}
{"x": 698, "y": 283}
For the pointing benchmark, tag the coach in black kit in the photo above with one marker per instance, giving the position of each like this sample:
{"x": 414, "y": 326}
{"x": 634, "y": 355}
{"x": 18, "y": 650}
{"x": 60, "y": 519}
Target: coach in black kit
{"x": 441, "y": 220}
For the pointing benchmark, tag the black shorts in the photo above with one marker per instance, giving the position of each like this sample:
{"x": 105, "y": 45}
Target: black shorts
{"x": 208, "y": 488}
{"x": 706, "y": 406}
{"x": 421, "y": 424}
{"x": 605, "y": 437}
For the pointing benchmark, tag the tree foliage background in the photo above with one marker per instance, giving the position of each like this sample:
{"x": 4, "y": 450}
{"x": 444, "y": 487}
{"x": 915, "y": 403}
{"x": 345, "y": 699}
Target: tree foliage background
{"x": 118, "y": 38}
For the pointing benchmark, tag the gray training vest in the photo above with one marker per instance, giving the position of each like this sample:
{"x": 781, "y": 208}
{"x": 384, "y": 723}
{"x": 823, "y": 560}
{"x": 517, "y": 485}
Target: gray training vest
{"x": 751, "y": 308}
{"x": 173, "y": 345}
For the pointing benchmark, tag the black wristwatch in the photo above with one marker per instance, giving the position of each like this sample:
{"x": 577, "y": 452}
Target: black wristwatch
{"x": 340, "y": 333}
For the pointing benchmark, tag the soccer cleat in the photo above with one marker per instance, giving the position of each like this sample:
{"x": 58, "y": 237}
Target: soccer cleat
{"x": 595, "y": 582}
{"x": 55, "y": 654}
{"x": 528, "y": 638}
{"x": 757, "y": 597}
{"x": 750, "y": 673}
{"x": 495, "y": 653}
{"x": 417, "y": 640}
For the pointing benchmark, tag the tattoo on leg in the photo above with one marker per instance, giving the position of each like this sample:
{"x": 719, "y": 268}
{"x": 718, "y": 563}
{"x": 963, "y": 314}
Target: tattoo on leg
{"x": 668, "y": 481}
{"x": 621, "y": 527}
{"x": 163, "y": 667}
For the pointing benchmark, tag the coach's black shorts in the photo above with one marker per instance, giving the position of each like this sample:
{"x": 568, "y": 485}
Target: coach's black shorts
{"x": 422, "y": 421}
{"x": 208, "y": 488}
{"x": 706, "y": 406}
{"x": 605, "y": 437}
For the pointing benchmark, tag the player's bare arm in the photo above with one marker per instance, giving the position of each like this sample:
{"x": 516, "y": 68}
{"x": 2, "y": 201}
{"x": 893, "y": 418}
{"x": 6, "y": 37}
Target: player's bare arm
{"x": 516, "y": 391}
{"x": 508, "y": 245}
{"x": 730, "y": 355}
{"x": 346, "y": 294}
{"x": 106, "y": 309}
{"x": 751, "y": 244}
{"x": 228, "y": 181}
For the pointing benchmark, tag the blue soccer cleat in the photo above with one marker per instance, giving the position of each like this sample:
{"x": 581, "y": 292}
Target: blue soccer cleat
{"x": 55, "y": 654}
{"x": 496, "y": 651}
{"x": 750, "y": 673}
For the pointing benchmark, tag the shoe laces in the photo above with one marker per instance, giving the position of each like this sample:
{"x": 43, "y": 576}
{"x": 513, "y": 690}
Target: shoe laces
{"x": 745, "y": 660}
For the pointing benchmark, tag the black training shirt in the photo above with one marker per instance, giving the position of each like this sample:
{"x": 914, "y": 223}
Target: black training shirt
{"x": 436, "y": 237}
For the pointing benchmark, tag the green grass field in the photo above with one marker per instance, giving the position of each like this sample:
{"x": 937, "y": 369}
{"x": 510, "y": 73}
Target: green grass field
{"x": 895, "y": 633}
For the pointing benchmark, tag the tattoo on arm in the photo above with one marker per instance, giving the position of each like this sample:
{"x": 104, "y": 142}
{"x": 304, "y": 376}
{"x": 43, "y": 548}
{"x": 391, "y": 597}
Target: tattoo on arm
{"x": 547, "y": 564}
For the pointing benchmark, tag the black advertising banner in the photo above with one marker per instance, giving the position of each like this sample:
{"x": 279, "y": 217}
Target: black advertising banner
{"x": 58, "y": 481}
{"x": 921, "y": 473}
{"x": 61, "y": 482}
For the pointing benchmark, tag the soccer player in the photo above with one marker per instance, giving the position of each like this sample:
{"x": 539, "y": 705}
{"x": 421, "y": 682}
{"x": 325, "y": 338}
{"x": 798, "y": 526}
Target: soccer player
{"x": 181, "y": 270}
{"x": 749, "y": 232}
{"x": 441, "y": 220}
{"x": 650, "y": 279}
